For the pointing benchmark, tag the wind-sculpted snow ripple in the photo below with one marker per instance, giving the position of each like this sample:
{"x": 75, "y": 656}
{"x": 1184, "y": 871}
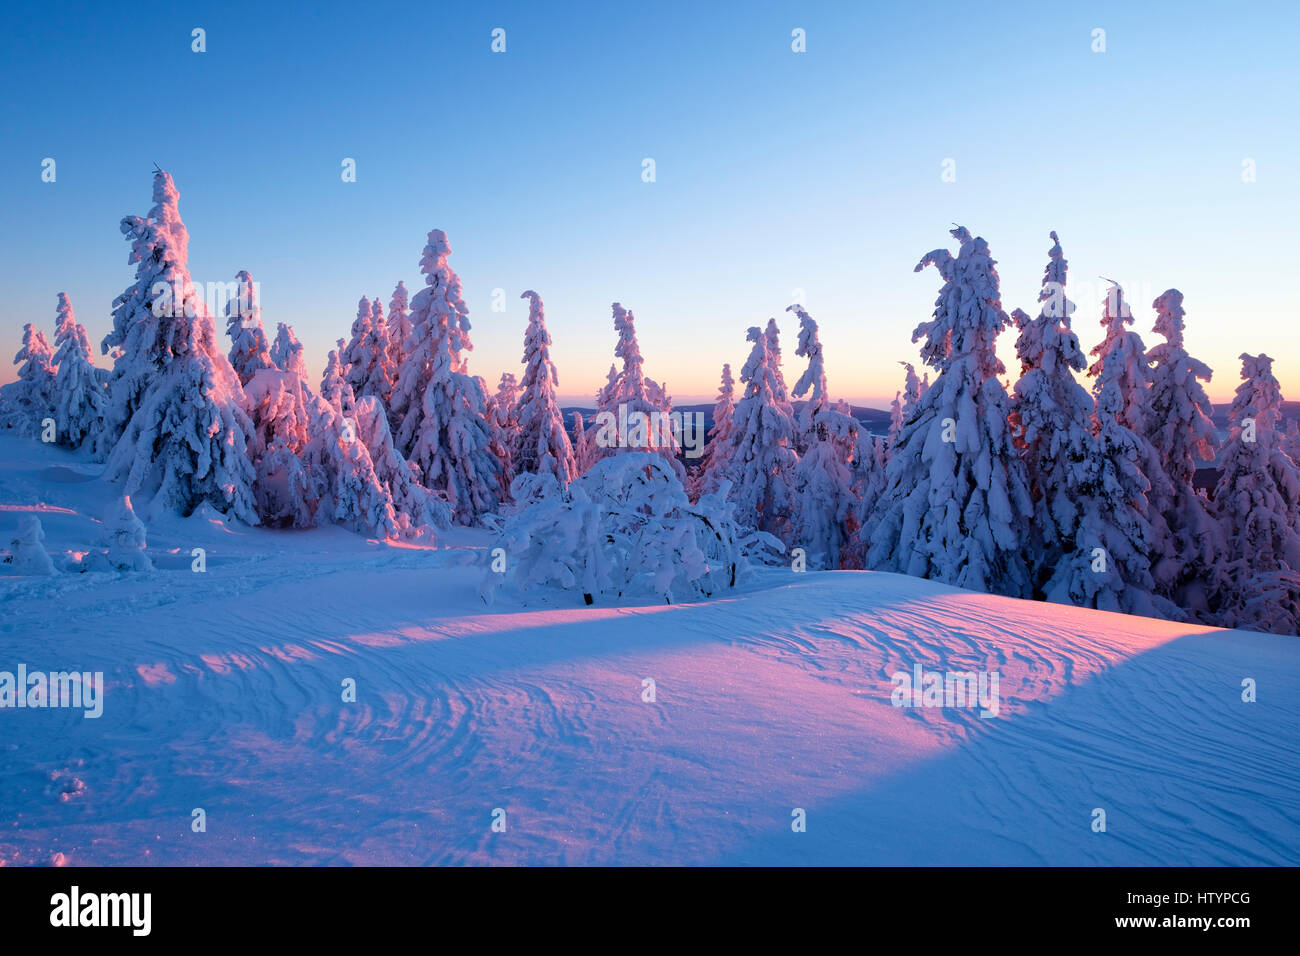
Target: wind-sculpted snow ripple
{"x": 656, "y": 734}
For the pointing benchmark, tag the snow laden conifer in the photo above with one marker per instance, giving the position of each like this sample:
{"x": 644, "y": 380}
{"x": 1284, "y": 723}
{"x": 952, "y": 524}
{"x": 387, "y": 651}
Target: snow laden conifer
{"x": 1258, "y": 498}
{"x": 343, "y": 479}
{"x": 142, "y": 315}
{"x": 868, "y": 471}
{"x": 249, "y": 351}
{"x": 578, "y": 441}
{"x": 1180, "y": 429}
{"x": 334, "y": 385}
{"x": 366, "y": 354}
{"x": 1125, "y": 356}
{"x": 633, "y": 411}
{"x": 442, "y": 410}
{"x": 825, "y": 512}
{"x": 286, "y": 352}
{"x": 418, "y": 511}
{"x": 1051, "y": 416}
{"x": 957, "y": 501}
{"x": 503, "y": 419}
{"x": 904, "y": 403}
{"x": 186, "y": 440}
{"x": 713, "y": 467}
{"x": 1109, "y": 485}
{"x": 79, "y": 396}
{"x": 399, "y": 329}
{"x": 761, "y": 461}
{"x": 283, "y": 410}
{"x": 33, "y": 395}
{"x": 541, "y": 445}
{"x": 1109, "y": 567}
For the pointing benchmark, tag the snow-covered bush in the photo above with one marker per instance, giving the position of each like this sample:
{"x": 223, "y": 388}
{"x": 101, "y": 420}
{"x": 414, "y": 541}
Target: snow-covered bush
{"x": 125, "y": 537}
{"x": 624, "y": 528}
{"x": 27, "y": 550}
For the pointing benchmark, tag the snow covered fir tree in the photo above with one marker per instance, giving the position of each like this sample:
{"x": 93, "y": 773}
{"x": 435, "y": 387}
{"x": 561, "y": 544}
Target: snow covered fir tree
{"x": 1105, "y": 486}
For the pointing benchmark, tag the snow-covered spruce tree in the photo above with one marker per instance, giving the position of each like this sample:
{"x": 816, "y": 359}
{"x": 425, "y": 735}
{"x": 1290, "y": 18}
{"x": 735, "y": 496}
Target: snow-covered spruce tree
{"x": 904, "y": 404}
{"x": 625, "y": 528}
{"x": 633, "y": 410}
{"x": 367, "y": 354}
{"x": 186, "y": 441}
{"x": 380, "y": 381}
{"x": 761, "y": 460}
{"x": 282, "y": 408}
{"x": 541, "y": 446}
{"x": 713, "y": 466}
{"x": 339, "y": 467}
{"x": 1258, "y": 499}
{"x": 139, "y": 340}
{"x": 503, "y": 418}
{"x": 581, "y": 460}
{"x": 417, "y": 509}
{"x": 334, "y": 385}
{"x": 367, "y": 373}
{"x": 34, "y": 394}
{"x": 957, "y": 500}
{"x": 1123, "y": 348}
{"x": 1182, "y": 433}
{"x": 27, "y": 554}
{"x": 249, "y": 351}
{"x": 286, "y": 352}
{"x": 825, "y": 506}
{"x": 442, "y": 410}
{"x": 1109, "y": 567}
{"x": 1291, "y": 444}
{"x": 399, "y": 328}
{"x": 585, "y": 450}
{"x": 79, "y": 396}
{"x": 1051, "y": 418}
{"x": 868, "y": 472}
{"x": 1122, "y": 360}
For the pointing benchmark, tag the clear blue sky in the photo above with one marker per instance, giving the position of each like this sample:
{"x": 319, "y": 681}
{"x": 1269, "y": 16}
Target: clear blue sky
{"x": 775, "y": 171}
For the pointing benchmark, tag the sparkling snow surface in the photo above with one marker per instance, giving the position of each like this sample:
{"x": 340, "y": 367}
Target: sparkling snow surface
{"x": 224, "y": 693}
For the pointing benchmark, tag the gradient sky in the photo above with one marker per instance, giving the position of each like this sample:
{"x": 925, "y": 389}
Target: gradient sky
{"x": 776, "y": 171}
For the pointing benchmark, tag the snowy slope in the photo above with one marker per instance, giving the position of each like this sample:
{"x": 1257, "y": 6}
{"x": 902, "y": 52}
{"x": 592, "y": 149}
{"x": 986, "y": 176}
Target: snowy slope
{"x": 224, "y": 692}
